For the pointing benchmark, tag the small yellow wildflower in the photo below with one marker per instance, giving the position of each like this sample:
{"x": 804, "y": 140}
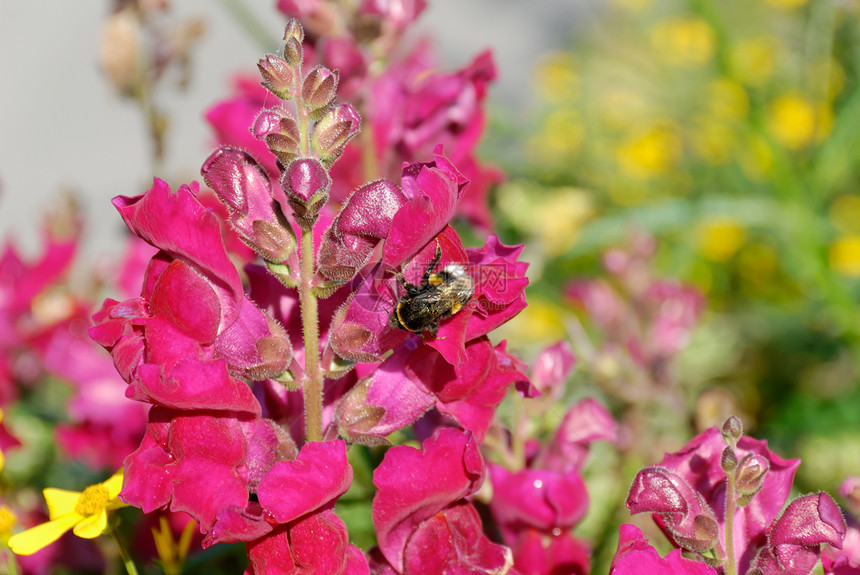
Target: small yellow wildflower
{"x": 650, "y": 152}
{"x": 727, "y": 100}
{"x": 720, "y": 238}
{"x": 559, "y": 219}
{"x": 845, "y": 256}
{"x": 845, "y": 213}
{"x": 756, "y": 158}
{"x": 172, "y": 553}
{"x": 85, "y": 513}
{"x": 556, "y": 77}
{"x": 786, "y": 4}
{"x": 792, "y": 120}
{"x": 753, "y": 60}
{"x": 684, "y": 41}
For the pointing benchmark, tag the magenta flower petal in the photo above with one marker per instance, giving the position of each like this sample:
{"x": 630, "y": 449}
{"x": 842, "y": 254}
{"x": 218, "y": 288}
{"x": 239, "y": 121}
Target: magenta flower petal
{"x": 179, "y": 225}
{"x": 432, "y": 190}
{"x": 551, "y": 368}
{"x": 539, "y": 552}
{"x": 200, "y": 470}
{"x": 254, "y": 346}
{"x": 393, "y": 390}
{"x": 687, "y": 517}
{"x": 413, "y": 486}
{"x": 452, "y": 541}
{"x": 538, "y": 498}
{"x": 586, "y": 422}
{"x": 635, "y": 556}
{"x": 319, "y": 475}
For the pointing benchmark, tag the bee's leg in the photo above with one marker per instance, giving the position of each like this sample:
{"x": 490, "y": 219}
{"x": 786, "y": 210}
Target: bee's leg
{"x": 436, "y": 259}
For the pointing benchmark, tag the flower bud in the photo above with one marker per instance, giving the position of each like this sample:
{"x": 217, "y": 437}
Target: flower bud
{"x": 355, "y": 417}
{"x": 732, "y": 430}
{"x": 332, "y": 133}
{"x": 749, "y": 478}
{"x": 294, "y": 31}
{"x": 277, "y": 76}
{"x": 729, "y": 460}
{"x": 306, "y": 183}
{"x": 280, "y": 132}
{"x": 319, "y": 89}
{"x": 243, "y": 186}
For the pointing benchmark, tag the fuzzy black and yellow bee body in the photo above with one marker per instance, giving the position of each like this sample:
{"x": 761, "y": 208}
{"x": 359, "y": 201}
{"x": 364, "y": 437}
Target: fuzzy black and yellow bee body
{"x": 439, "y": 295}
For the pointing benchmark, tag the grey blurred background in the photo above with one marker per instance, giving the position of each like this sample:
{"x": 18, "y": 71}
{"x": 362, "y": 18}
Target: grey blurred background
{"x": 62, "y": 128}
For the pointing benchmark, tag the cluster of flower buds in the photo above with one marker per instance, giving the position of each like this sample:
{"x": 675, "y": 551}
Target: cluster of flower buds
{"x": 721, "y": 498}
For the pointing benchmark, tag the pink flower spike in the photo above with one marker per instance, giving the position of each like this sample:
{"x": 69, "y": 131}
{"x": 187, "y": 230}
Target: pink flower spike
{"x": 635, "y": 556}
{"x": 551, "y": 368}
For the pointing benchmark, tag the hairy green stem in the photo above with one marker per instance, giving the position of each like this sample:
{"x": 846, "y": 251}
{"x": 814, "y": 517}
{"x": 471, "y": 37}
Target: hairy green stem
{"x": 731, "y": 506}
{"x": 313, "y": 388}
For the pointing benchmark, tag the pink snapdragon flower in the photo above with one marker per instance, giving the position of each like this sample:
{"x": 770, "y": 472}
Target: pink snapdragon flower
{"x": 691, "y": 491}
{"x": 536, "y": 507}
{"x": 635, "y": 556}
{"x": 423, "y": 521}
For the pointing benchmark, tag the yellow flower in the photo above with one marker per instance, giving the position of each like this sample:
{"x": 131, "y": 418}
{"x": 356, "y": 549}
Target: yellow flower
{"x": 650, "y": 152}
{"x": 792, "y": 120}
{"x": 727, "y": 100}
{"x": 684, "y": 41}
{"x": 172, "y": 553}
{"x": 753, "y": 60}
{"x": 714, "y": 142}
{"x": 845, "y": 213}
{"x": 845, "y": 256}
{"x": 7, "y": 522}
{"x": 756, "y": 158}
{"x": 556, "y": 77}
{"x": 720, "y": 238}
{"x": 85, "y": 513}
{"x": 786, "y": 4}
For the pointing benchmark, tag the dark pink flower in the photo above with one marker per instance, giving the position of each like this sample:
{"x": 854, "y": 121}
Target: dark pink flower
{"x": 536, "y": 507}
{"x": 192, "y": 332}
{"x": 635, "y": 556}
{"x": 423, "y": 522}
{"x": 794, "y": 540}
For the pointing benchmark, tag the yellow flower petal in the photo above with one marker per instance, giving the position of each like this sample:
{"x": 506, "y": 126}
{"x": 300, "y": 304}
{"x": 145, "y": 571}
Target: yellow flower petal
{"x": 32, "y": 540}
{"x": 114, "y": 484}
{"x": 60, "y": 501}
{"x": 92, "y": 527}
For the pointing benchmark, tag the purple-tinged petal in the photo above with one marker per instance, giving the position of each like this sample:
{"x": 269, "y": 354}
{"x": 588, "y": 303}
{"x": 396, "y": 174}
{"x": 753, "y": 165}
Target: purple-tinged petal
{"x": 635, "y": 556}
{"x": 551, "y": 368}
{"x": 452, "y": 541}
{"x": 179, "y": 225}
{"x": 254, "y": 346}
{"x": 234, "y": 524}
{"x": 393, "y": 390}
{"x": 319, "y": 475}
{"x": 413, "y": 486}
{"x": 687, "y": 517}
{"x": 541, "y": 552}
{"x": 538, "y": 498}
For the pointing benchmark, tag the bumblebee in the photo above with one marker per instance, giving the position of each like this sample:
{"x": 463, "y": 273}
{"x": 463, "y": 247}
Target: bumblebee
{"x": 438, "y": 296}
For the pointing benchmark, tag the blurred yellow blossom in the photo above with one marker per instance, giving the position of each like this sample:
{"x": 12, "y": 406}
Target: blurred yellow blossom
{"x": 713, "y": 142}
{"x": 755, "y": 158}
{"x": 720, "y": 238}
{"x": 632, "y": 5}
{"x": 727, "y": 100}
{"x": 791, "y": 120}
{"x": 562, "y": 129}
{"x": 650, "y": 152}
{"x": 559, "y": 218}
{"x": 754, "y": 59}
{"x": 757, "y": 263}
{"x": 786, "y": 4}
{"x": 7, "y": 522}
{"x": 828, "y": 75}
{"x": 845, "y": 213}
{"x": 844, "y": 256}
{"x": 556, "y": 78}
{"x": 540, "y": 322}
{"x": 684, "y": 41}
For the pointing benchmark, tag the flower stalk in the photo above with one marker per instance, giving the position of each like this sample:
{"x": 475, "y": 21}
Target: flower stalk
{"x": 313, "y": 388}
